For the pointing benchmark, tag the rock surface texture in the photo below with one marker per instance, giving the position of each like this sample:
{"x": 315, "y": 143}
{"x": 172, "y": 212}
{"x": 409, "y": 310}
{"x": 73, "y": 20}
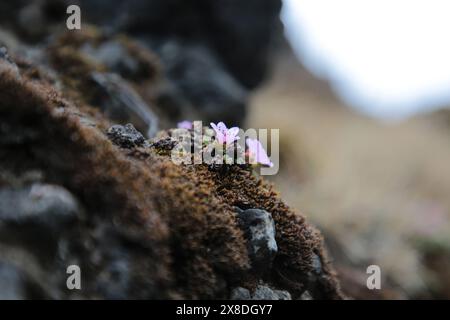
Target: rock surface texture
{"x": 86, "y": 180}
{"x": 259, "y": 230}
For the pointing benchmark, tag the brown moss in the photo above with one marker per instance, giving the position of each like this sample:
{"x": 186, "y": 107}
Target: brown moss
{"x": 79, "y": 157}
{"x": 184, "y": 216}
{"x": 76, "y": 69}
{"x": 75, "y": 65}
{"x": 144, "y": 199}
{"x": 298, "y": 242}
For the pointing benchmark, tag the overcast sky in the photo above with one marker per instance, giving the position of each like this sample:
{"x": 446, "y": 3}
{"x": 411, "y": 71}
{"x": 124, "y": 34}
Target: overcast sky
{"x": 389, "y": 58}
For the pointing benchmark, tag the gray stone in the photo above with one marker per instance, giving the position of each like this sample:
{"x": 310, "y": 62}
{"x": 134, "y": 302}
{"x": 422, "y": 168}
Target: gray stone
{"x": 42, "y": 204}
{"x": 122, "y": 103}
{"x": 240, "y": 293}
{"x": 263, "y": 292}
{"x": 126, "y": 136}
{"x": 114, "y": 56}
{"x": 317, "y": 264}
{"x": 219, "y": 24}
{"x": 12, "y": 285}
{"x": 283, "y": 295}
{"x": 113, "y": 282}
{"x": 201, "y": 81}
{"x": 315, "y": 273}
{"x": 306, "y": 296}
{"x": 259, "y": 229}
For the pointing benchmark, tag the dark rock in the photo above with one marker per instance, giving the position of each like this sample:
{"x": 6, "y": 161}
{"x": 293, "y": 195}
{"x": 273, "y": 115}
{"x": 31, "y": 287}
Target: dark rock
{"x": 12, "y": 284}
{"x": 240, "y": 293}
{"x": 125, "y": 57}
{"x": 45, "y": 205}
{"x": 315, "y": 275}
{"x": 222, "y": 47}
{"x": 306, "y": 296}
{"x": 220, "y": 24}
{"x": 114, "y": 280}
{"x": 166, "y": 144}
{"x": 126, "y": 136}
{"x": 317, "y": 264}
{"x": 114, "y": 56}
{"x": 196, "y": 39}
{"x": 252, "y": 24}
{"x": 122, "y": 103}
{"x": 13, "y": 135}
{"x": 259, "y": 229}
{"x": 201, "y": 81}
{"x": 263, "y": 292}
{"x": 283, "y": 295}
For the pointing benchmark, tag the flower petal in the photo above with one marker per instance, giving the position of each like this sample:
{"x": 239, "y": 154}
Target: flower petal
{"x": 231, "y": 135}
{"x": 184, "y": 125}
{"x": 222, "y": 127}
{"x": 257, "y": 152}
{"x": 213, "y": 125}
{"x": 220, "y": 134}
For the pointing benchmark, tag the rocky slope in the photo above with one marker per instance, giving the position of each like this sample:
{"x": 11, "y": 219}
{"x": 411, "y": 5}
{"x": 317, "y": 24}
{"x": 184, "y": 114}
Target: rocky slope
{"x": 81, "y": 186}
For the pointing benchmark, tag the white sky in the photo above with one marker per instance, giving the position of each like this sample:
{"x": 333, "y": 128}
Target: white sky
{"x": 389, "y": 58}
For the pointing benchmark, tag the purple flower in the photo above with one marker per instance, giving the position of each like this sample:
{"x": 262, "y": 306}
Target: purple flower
{"x": 224, "y": 135}
{"x": 257, "y": 152}
{"x": 184, "y": 125}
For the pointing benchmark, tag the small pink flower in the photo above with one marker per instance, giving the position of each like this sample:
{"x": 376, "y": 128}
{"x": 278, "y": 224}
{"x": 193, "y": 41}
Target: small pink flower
{"x": 257, "y": 153}
{"x": 184, "y": 125}
{"x": 224, "y": 135}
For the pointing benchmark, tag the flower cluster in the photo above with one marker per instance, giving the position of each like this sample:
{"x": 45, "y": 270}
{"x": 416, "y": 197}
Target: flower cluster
{"x": 227, "y": 137}
{"x": 255, "y": 151}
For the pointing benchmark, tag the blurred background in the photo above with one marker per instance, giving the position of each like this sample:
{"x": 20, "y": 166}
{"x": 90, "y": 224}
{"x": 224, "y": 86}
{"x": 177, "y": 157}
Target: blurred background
{"x": 361, "y": 95}
{"x": 358, "y": 88}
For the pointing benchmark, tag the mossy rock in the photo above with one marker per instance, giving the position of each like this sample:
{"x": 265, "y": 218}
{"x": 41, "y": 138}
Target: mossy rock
{"x": 174, "y": 225}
